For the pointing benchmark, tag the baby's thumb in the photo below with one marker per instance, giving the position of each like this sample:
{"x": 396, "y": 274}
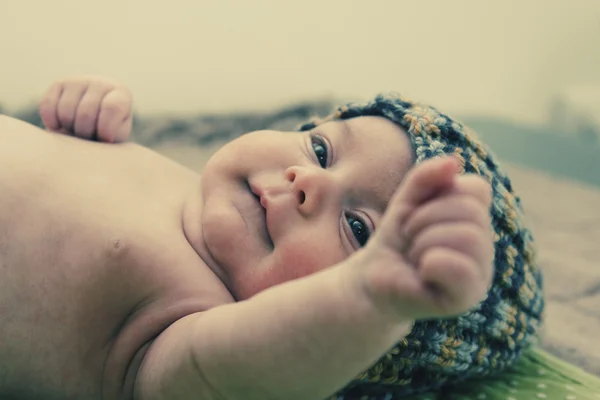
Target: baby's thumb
{"x": 420, "y": 184}
{"x": 426, "y": 180}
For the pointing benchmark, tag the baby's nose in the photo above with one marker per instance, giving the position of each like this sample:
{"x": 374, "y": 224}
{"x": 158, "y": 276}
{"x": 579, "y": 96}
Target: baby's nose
{"x": 312, "y": 186}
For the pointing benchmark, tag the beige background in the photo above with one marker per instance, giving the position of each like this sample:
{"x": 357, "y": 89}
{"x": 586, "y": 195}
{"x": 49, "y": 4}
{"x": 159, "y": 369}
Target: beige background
{"x": 495, "y": 57}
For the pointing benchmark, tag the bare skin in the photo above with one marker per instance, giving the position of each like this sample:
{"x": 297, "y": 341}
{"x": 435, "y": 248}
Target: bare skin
{"x": 106, "y": 267}
{"x": 114, "y": 286}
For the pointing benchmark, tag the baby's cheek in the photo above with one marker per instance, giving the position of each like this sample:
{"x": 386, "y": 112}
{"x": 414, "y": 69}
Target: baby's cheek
{"x": 286, "y": 263}
{"x": 299, "y": 261}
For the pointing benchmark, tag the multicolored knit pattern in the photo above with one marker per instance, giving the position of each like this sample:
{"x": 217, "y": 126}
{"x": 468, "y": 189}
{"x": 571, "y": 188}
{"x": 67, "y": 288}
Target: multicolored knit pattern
{"x": 491, "y": 336}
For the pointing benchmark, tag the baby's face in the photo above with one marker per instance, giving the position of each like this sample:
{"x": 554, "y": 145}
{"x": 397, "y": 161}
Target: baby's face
{"x": 282, "y": 205}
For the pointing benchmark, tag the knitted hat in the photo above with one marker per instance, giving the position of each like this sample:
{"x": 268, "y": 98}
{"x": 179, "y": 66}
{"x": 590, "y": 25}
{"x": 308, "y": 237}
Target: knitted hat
{"x": 491, "y": 336}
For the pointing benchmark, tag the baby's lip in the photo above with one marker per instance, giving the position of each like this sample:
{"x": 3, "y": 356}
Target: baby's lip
{"x": 263, "y": 201}
{"x": 259, "y": 193}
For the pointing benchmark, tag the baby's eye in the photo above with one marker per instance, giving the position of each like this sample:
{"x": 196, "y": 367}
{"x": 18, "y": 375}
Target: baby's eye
{"x": 359, "y": 229}
{"x": 320, "y": 148}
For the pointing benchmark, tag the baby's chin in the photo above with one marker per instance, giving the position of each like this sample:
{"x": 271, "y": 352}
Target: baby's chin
{"x": 222, "y": 238}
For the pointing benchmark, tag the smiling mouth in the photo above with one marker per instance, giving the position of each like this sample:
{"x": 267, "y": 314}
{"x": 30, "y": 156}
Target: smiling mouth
{"x": 261, "y": 203}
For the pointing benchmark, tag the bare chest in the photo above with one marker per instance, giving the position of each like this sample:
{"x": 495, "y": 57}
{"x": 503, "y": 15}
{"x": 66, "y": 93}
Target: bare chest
{"x": 89, "y": 237}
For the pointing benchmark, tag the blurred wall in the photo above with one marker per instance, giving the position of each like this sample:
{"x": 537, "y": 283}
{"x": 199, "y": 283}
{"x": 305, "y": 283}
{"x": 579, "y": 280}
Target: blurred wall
{"x": 502, "y": 58}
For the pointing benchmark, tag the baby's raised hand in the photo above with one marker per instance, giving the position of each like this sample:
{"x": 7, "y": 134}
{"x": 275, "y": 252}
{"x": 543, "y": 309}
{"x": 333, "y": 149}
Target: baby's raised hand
{"x": 432, "y": 256}
{"x": 88, "y": 107}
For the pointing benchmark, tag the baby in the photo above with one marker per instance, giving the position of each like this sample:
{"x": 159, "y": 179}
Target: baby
{"x": 354, "y": 257}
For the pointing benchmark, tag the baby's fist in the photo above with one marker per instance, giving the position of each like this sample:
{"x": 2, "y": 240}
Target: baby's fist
{"x": 88, "y": 107}
{"x": 433, "y": 253}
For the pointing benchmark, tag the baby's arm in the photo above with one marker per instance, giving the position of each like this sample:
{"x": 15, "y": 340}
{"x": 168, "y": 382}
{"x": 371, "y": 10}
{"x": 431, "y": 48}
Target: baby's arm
{"x": 305, "y": 339}
{"x": 88, "y": 107}
{"x": 300, "y": 340}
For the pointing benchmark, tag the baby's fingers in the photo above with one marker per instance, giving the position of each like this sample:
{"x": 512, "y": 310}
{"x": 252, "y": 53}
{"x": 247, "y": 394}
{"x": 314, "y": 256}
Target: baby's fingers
{"x": 426, "y": 180}
{"x": 463, "y": 237}
{"x": 49, "y": 105}
{"x": 420, "y": 184}
{"x": 67, "y": 104}
{"x": 475, "y": 186}
{"x": 448, "y": 208}
{"x": 453, "y": 281}
{"x": 115, "y": 118}
{"x": 86, "y": 117}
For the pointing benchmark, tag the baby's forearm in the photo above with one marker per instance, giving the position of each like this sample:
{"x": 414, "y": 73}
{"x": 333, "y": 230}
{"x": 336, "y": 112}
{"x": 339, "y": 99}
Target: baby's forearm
{"x": 300, "y": 340}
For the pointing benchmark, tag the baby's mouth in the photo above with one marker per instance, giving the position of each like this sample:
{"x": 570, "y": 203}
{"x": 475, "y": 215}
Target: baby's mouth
{"x": 261, "y": 204}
